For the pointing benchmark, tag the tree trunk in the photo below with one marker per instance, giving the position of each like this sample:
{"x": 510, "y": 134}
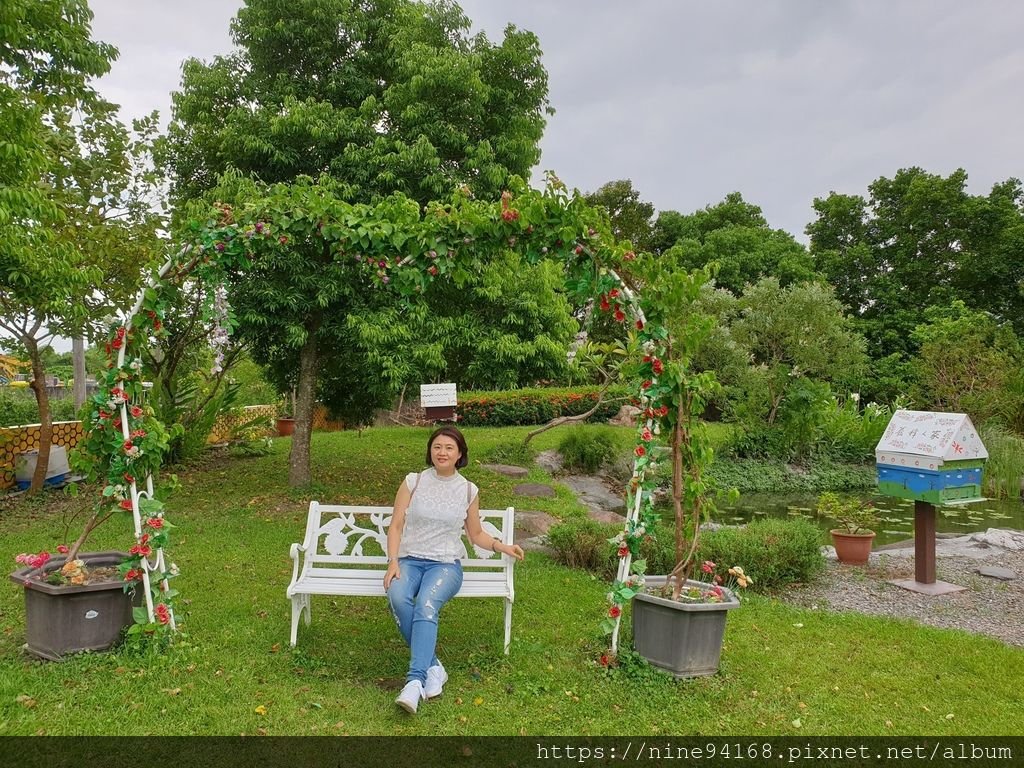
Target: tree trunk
{"x": 305, "y": 395}
{"x": 78, "y": 360}
{"x": 38, "y": 385}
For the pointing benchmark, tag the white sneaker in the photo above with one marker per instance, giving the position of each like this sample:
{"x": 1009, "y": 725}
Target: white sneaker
{"x": 410, "y": 696}
{"x": 436, "y": 678}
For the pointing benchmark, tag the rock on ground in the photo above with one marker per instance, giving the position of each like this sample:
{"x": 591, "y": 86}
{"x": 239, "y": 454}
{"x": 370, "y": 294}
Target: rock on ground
{"x": 507, "y": 469}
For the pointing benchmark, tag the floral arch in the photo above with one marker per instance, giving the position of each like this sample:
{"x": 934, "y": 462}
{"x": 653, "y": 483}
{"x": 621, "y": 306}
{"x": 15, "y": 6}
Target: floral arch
{"x": 391, "y": 246}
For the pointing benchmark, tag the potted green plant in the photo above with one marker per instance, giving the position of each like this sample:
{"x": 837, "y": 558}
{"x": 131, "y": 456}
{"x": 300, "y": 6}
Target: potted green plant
{"x": 286, "y": 414}
{"x": 853, "y": 539}
{"x": 678, "y": 621}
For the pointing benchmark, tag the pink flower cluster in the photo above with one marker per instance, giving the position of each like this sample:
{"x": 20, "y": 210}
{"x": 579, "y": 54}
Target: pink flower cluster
{"x": 33, "y": 561}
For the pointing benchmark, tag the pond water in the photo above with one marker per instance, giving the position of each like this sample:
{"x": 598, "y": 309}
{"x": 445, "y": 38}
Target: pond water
{"x": 897, "y": 514}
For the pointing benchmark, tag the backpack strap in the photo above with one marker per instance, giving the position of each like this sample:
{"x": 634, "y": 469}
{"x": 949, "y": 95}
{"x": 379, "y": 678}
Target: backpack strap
{"x": 415, "y": 485}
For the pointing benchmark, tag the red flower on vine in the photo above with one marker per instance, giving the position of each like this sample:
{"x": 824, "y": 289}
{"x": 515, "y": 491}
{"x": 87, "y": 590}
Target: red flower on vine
{"x": 141, "y": 549}
{"x": 63, "y": 549}
{"x": 613, "y": 292}
{"x": 136, "y": 411}
{"x": 629, "y": 256}
{"x": 619, "y": 315}
{"x": 640, "y": 451}
{"x": 127, "y": 445}
{"x": 615, "y": 611}
{"x": 163, "y": 614}
{"x": 117, "y": 344}
{"x": 623, "y": 550}
{"x": 646, "y": 435}
{"x": 155, "y": 522}
{"x": 605, "y": 660}
{"x": 133, "y": 574}
{"x": 128, "y": 478}
{"x": 126, "y": 504}
{"x": 658, "y": 367}
{"x": 647, "y": 384}
{"x": 639, "y": 325}
{"x": 605, "y": 306}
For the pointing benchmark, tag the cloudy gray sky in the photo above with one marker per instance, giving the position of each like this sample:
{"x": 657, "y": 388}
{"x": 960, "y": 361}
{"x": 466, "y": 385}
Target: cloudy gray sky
{"x": 693, "y": 99}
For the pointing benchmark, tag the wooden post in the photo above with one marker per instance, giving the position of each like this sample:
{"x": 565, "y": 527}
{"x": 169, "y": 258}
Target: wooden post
{"x": 924, "y": 542}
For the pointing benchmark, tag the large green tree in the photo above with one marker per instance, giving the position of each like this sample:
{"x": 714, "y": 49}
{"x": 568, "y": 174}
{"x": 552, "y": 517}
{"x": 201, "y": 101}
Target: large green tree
{"x": 47, "y": 63}
{"x": 383, "y": 95}
{"x": 630, "y": 216}
{"x": 735, "y": 236}
{"x": 920, "y": 240}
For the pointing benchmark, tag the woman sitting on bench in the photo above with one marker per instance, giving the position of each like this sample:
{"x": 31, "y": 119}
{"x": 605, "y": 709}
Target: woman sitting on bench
{"x": 431, "y": 510}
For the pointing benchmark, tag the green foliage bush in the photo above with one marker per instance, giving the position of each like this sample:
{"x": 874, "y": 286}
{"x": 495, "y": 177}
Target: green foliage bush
{"x": 511, "y": 452}
{"x": 773, "y": 552}
{"x": 770, "y": 476}
{"x": 583, "y": 543}
{"x": 535, "y": 406}
{"x": 586, "y": 448}
{"x": 20, "y": 408}
{"x": 815, "y": 425}
{"x": 1004, "y": 470}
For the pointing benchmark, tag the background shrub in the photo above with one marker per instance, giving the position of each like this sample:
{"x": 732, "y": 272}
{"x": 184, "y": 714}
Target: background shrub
{"x": 511, "y": 452}
{"x": 585, "y": 449}
{"x": 535, "y": 406}
{"x": 583, "y": 543}
{"x": 774, "y": 552}
{"x": 19, "y": 407}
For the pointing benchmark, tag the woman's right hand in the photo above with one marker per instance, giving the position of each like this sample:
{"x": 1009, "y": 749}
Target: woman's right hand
{"x": 392, "y": 573}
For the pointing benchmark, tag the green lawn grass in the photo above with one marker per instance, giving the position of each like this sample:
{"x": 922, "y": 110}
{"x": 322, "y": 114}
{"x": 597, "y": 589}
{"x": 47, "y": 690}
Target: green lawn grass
{"x": 784, "y": 670}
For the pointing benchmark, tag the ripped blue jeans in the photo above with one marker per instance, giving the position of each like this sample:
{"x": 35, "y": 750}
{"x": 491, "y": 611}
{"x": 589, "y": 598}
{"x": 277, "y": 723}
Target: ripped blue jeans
{"x": 416, "y": 598}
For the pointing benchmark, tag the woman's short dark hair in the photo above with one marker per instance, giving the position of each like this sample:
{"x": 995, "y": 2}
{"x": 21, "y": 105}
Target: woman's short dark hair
{"x": 460, "y": 441}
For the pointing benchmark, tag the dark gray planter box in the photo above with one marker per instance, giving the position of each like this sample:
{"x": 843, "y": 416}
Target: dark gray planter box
{"x": 62, "y": 619}
{"x": 684, "y": 639}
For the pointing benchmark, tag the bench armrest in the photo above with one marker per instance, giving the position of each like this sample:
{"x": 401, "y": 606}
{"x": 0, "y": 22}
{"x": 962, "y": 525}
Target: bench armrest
{"x": 293, "y": 552}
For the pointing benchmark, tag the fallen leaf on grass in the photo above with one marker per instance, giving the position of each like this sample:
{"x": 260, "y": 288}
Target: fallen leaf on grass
{"x": 797, "y": 723}
{"x": 316, "y": 704}
{"x": 950, "y": 716}
{"x": 802, "y": 705}
{"x": 171, "y": 691}
{"x": 26, "y": 701}
{"x": 260, "y": 710}
{"x": 275, "y": 648}
{"x": 478, "y": 700}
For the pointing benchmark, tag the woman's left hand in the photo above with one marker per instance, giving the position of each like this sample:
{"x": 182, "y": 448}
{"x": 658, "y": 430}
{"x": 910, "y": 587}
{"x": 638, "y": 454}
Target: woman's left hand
{"x": 512, "y": 551}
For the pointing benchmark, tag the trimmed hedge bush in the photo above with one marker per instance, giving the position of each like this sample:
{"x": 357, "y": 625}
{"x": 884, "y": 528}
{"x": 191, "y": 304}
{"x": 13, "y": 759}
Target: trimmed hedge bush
{"x": 774, "y": 552}
{"x": 20, "y": 408}
{"x": 516, "y": 407}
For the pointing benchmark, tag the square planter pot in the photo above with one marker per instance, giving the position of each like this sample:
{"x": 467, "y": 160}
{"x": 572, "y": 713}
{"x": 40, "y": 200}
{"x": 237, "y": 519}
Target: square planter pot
{"x": 684, "y": 639}
{"x": 63, "y": 619}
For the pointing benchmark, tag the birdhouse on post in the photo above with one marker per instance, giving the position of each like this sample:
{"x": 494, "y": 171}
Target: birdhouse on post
{"x": 438, "y": 401}
{"x": 930, "y": 456}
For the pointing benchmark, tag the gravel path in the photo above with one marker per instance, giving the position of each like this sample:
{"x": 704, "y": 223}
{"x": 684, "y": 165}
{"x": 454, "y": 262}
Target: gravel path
{"x": 988, "y": 606}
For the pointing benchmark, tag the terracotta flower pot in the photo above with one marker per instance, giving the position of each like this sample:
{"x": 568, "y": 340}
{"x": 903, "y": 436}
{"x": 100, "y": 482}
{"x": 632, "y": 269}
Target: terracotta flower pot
{"x": 285, "y": 427}
{"x": 852, "y": 548}
{"x": 62, "y": 619}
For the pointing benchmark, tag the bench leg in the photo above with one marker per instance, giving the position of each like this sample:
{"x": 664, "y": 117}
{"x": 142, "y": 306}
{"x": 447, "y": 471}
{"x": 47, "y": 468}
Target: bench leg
{"x": 300, "y": 605}
{"x": 508, "y": 624}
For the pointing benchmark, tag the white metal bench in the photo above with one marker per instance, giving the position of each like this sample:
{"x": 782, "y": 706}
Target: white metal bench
{"x": 344, "y": 553}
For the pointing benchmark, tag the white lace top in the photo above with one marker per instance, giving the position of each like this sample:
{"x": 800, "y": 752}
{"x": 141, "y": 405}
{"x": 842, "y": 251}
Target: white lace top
{"x": 436, "y": 514}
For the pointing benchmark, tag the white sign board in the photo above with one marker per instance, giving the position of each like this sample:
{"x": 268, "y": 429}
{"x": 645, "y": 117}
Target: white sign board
{"x": 437, "y": 395}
